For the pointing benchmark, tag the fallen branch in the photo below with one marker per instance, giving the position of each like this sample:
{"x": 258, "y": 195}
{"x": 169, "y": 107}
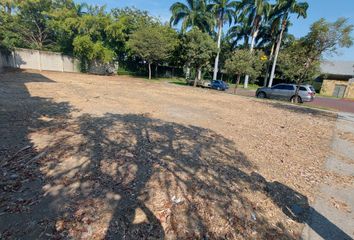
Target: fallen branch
{"x": 21, "y": 150}
{"x": 37, "y": 157}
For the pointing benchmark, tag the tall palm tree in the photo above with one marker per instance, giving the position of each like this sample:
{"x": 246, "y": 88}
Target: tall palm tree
{"x": 224, "y": 11}
{"x": 256, "y": 11}
{"x": 239, "y": 32}
{"x": 193, "y": 13}
{"x": 284, "y": 9}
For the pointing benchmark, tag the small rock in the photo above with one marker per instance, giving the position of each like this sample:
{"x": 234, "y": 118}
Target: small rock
{"x": 176, "y": 200}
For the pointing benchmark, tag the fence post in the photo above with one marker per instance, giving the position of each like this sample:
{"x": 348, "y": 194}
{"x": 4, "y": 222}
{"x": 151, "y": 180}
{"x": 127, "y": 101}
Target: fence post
{"x": 13, "y": 59}
{"x": 62, "y": 62}
{"x": 39, "y": 61}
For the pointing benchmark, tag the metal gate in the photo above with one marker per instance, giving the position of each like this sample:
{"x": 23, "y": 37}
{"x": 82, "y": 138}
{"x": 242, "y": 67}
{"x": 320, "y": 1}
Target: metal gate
{"x": 339, "y": 91}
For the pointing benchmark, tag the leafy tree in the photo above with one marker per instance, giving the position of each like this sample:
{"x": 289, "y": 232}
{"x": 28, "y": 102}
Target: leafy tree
{"x": 9, "y": 32}
{"x": 130, "y": 20}
{"x": 243, "y": 62}
{"x": 194, "y": 13}
{"x": 300, "y": 61}
{"x": 87, "y": 51}
{"x": 33, "y": 22}
{"x": 224, "y": 11}
{"x": 153, "y": 44}
{"x": 327, "y": 37}
{"x": 199, "y": 48}
{"x": 284, "y": 8}
{"x": 295, "y": 65}
{"x": 7, "y": 6}
{"x": 256, "y": 11}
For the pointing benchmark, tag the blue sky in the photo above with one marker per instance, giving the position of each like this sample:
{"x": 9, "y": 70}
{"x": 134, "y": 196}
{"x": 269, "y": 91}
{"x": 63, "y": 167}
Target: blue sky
{"x": 329, "y": 9}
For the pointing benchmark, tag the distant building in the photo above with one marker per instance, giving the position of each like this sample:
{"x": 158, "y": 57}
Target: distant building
{"x": 337, "y": 79}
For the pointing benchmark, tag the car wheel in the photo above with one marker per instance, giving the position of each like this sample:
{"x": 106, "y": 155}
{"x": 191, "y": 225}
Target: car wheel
{"x": 261, "y": 95}
{"x": 218, "y": 88}
{"x": 296, "y": 99}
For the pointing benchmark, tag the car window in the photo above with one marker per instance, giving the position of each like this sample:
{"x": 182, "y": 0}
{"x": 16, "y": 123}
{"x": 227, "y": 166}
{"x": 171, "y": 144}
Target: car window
{"x": 303, "y": 89}
{"x": 288, "y": 87}
{"x": 278, "y": 87}
{"x": 312, "y": 89}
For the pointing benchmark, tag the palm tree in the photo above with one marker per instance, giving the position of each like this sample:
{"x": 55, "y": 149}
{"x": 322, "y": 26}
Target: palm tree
{"x": 241, "y": 31}
{"x": 256, "y": 11}
{"x": 195, "y": 13}
{"x": 268, "y": 35}
{"x": 224, "y": 11}
{"x": 81, "y": 9}
{"x": 284, "y": 9}
{"x": 192, "y": 14}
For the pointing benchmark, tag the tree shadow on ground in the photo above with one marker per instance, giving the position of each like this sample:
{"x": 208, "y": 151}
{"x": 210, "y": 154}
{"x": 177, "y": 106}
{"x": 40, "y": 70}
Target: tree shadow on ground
{"x": 126, "y": 176}
{"x": 301, "y": 109}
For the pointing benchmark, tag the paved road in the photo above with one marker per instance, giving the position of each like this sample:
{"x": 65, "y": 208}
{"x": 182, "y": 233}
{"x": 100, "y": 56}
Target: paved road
{"x": 340, "y": 105}
{"x": 332, "y": 215}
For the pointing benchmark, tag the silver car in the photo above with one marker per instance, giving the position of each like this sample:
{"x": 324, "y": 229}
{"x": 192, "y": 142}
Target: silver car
{"x": 287, "y": 92}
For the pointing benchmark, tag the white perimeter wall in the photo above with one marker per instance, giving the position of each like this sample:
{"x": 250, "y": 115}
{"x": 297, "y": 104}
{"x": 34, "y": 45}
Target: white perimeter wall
{"x": 39, "y": 60}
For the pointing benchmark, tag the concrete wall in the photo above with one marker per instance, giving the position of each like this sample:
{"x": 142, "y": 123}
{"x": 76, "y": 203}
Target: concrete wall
{"x": 51, "y": 61}
{"x": 40, "y": 60}
{"x": 329, "y": 85}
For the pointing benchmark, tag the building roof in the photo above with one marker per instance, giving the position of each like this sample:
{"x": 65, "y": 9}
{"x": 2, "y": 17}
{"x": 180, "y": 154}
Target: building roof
{"x": 344, "y": 68}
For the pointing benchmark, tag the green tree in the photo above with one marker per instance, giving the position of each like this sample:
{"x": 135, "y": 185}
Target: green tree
{"x": 256, "y": 11}
{"x": 198, "y": 49}
{"x": 295, "y": 65}
{"x": 243, "y": 62}
{"x": 33, "y": 21}
{"x": 87, "y": 51}
{"x": 300, "y": 61}
{"x": 224, "y": 11}
{"x": 153, "y": 44}
{"x": 284, "y": 8}
{"x": 194, "y": 13}
{"x": 9, "y": 31}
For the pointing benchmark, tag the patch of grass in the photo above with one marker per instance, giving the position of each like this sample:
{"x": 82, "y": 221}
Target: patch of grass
{"x": 250, "y": 86}
{"x": 179, "y": 83}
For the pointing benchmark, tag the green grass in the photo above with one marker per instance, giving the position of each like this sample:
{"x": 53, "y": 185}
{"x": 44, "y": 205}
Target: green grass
{"x": 250, "y": 86}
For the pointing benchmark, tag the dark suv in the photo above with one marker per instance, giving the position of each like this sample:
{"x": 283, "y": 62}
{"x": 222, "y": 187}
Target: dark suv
{"x": 219, "y": 85}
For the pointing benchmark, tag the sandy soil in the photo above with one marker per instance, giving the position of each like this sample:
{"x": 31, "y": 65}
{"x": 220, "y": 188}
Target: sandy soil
{"x": 94, "y": 157}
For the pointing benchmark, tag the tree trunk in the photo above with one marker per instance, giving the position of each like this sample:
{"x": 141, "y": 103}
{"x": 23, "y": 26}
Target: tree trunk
{"x": 149, "y": 71}
{"x": 268, "y": 65}
{"x": 199, "y": 74}
{"x": 237, "y": 83}
{"x": 197, "y": 77}
{"x": 156, "y": 71}
{"x": 216, "y": 64}
{"x": 253, "y": 41}
{"x": 277, "y": 53}
{"x": 296, "y": 96}
{"x": 188, "y": 72}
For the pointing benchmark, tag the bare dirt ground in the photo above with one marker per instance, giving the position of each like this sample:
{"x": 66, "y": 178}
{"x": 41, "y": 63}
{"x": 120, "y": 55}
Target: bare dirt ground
{"x": 93, "y": 157}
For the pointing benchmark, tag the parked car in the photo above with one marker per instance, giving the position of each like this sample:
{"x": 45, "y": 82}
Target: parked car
{"x": 219, "y": 85}
{"x": 200, "y": 83}
{"x": 287, "y": 92}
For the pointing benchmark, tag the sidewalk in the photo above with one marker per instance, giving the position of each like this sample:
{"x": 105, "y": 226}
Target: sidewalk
{"x": 332, "y": 215}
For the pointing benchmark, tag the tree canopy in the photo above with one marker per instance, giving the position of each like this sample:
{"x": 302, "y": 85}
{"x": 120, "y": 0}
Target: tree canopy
{"x": 198, "y": 49}
{"x": 153, "y": 44}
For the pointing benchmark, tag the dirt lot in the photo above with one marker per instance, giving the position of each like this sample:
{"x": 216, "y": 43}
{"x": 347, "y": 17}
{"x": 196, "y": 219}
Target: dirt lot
{"x": 92, "y": 157}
